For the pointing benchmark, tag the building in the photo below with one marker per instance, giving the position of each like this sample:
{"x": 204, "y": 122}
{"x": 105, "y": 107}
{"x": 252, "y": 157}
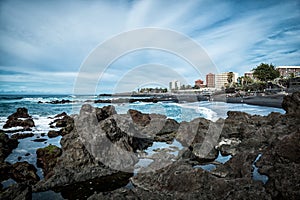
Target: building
{"x": 221, "y": 80}
{"x": 210, "y": 80}
{"x": 249, "y": 74}
{"x": 199, "y": 83}
{"x": 288, "y": 71}
{"x": 174, "y": 85}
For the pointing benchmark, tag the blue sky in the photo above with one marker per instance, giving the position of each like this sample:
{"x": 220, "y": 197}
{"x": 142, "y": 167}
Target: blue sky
{"x": 44, "y": 43}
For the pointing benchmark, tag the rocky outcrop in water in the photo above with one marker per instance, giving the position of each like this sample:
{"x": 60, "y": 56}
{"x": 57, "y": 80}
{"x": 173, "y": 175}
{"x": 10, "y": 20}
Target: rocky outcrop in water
{"x": 17, "y": 192}
{"x": 78, "y": 162}
{"x": 47, "y": 158}
{"x": 21, "y": 135}
{"x": 281, "y": 163}
{"x": 63, "y": 101}
{"x": 291, "y": 104}
{"x": 24, "y": 172}
{"x": 63, "y": 121}
{"x": 6, "y": 146}
{"x": 19, "y": 118}
{"x": 105, "y": 112}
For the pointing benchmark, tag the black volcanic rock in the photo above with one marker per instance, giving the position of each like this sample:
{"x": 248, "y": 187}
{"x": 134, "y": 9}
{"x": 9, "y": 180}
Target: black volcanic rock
{"x": 105, "y": 112}
{"x": 65, "y": 122}
{"x": 17, "y": 192}
{"x": 6, "y": 146}
{"x": 20, "y": 113}
{"x": 23, "y": 171}
{"x": 60, "y": 115}
{"x": 291, "y": 104}
{"x": 39, "y": 140}
{"x": 139, "y": 118}
{"x": 4, "y": 171}
{"x": 80, "y": 161}
{"x": 13, "y": 120}
{"x": 180, "y": 180}
{"x": 52, "y": 134}
{"x": 21, "y": 135}
{"x": 47, "y": 158}
{"x": 63, "y": 101}
{"x": 281, "y": 163}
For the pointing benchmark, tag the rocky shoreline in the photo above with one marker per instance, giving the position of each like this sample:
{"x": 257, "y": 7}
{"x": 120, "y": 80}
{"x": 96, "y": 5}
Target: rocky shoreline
{"x": 265, "y": 100}
{"x": 100, "y": 150}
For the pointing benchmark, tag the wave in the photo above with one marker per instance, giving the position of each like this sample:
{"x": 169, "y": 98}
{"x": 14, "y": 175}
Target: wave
{"x": 10, "y": 97}
{"x": 205, "y": 112}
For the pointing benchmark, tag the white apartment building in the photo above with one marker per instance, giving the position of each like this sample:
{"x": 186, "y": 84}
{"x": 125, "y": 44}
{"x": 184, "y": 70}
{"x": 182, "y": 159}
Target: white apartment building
{"x": 174, "y": 85}
{"x": 222, "y": 79}
{"x": 287, "y": 71}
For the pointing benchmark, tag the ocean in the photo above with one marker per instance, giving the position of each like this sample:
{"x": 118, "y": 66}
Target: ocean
{"x": 42, "y": 113}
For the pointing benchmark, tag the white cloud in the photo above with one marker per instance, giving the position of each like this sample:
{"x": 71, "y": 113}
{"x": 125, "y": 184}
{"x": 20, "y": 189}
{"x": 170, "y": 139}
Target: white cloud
{"x": 44, "y": 36}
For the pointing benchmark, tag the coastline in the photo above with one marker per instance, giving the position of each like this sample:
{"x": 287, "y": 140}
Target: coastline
{"x": 267, "y": 100}
{"x": 274, "y": 100}
{"x": 85, "y": 159}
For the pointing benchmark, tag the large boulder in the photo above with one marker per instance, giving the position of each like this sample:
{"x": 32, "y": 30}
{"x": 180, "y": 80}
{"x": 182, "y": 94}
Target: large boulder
{"x": 52, "y": 133}
{"x": 21, "y": 135}
{"x": 47, "y": 158}
{"x": 63, "y": 121}
{"x": 20, "y": 113}
{"x": 281, "y": 163}
{"x": 19, "y": 122}
{"x": 139, "y": 118}
{"x": 105, "y": 112}
{"x": 24, "y": 172}
{"x": 291, "y": 104}
{"x": 4, "y": 171}
{"x": 82, "y": 151}
{"x": 6, "y": 145}
{"x": 19, "y": 118}
{"x": 180, "y": 180}
{"x": 20, "y": 191}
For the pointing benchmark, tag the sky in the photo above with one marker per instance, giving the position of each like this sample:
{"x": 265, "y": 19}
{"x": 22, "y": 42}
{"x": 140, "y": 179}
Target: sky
{"x": 45, "y": 46}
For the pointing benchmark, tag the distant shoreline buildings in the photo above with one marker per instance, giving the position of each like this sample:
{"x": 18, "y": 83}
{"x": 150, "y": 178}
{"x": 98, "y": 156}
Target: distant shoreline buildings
{"x": 288, "y": 71}
{"x": 174, "y": 85}
{"x": 228, "y": 79}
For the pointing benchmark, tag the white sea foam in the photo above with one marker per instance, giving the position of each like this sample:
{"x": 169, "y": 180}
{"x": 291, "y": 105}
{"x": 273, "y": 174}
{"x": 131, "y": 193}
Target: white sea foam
{"x": 34, "y": 99}
{"x": 206, "y": 112}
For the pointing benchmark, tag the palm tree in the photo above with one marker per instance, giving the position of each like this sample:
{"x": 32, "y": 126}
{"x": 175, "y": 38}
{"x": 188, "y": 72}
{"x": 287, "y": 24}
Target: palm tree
{"x": 230, "y": 78}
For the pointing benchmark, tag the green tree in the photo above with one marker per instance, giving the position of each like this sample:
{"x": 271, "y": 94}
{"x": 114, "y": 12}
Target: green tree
{"x": 240, "y": 80}
{"x": 247, "y": 80}
{"x": 230, "y": 78}
{"x": 265, "y": 72}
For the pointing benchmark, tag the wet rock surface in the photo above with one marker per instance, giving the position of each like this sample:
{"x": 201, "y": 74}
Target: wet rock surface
{"x": 281, "y": 163}
{"x": 19, "y": 118}
{"x": 78, "y": 162}
{"x": 17, "y": 192}
{"x": 23, "y": 171}
{"x": 105, "y": 112}
{"x": 47, "y": 158}
{"x": 22, "y": 135}
{"x": 291, "y": 103}
{"x": 63, "y": 121}
{"x": 6, "y": 145}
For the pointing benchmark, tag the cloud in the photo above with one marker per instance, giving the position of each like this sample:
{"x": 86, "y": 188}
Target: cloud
{"x": 54, "y": 38}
